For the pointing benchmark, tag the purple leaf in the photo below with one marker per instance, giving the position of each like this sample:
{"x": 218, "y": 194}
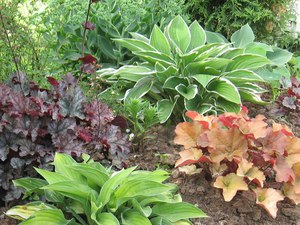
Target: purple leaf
{"x": 57, "y": 127}
{"x": 89, "y": 26}
{"x": 289, "y": 102}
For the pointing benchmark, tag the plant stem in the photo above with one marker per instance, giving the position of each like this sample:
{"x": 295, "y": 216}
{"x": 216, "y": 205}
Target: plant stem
{"x": 84, "y": 31}
{"x": 12, "y": 51}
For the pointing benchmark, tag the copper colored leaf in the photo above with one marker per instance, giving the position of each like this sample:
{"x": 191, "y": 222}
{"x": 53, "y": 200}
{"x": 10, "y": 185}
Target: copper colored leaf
{"x": 251, "y": 172}
{"x": 256, "y": 126}
{"x": 190, "y": 135}
{"x": 293, "y": 151}
{"x": 205, "y": 121}
{"x": 189, "y": 156}
{"x": 283, "y": 128}
{"x": 230, "y": 184}
{"x": 227, "y": 144}
{"x": 268, "y": 198}
{"x": 289, "y": 191}
{"x": 190, "y": 170}
{"x": 284, "y": 172}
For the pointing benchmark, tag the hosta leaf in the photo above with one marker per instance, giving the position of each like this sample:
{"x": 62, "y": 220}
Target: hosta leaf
{"x": 180, "y": 211}
{"x": 145, "y": 211}
{"x": 165, "y": 108}
{"x": 198, "y": 36}
{"x": 203, "y": 79}
{"x": 132, "y": 73}
{"x": 230, "y": 184}
{"x": 243, "y": 37}
{"x": 213, "y": 52}
{"x": 200, "y": 66}
{"x": 140, "y": 37}
{"x": 225, "y": 89}
{"x": 232, "y": 52}
{"x": 107, "y": 219}
{"x": 243, "y": 75}
{"x": 258, "y": 48}
{"x": 268, "y": 198}
{"x": 49, "y": 217}
{"x": 163, "y": 74}
{"x": 247, "y": 61}
{"x": 155, "y": 56}
{"x": 110, "y": 186}
{"x": 213, "y": 37}
{"x": 141, "y": 88}
{"x": 23, "y": 212}
{"x": 159, "y": 41}
{"x": 227, "y": 106}
{"x": 252, "y": 97}
{"x": 188, "y": 92}
{"x": 134, "y": 45}
{"x": 30, "y": 184}
{"x": 134, "y": 218}
{"x": 279, "y": 56}
{"x": 72, "y": 189}
{"x": 174, "y": 81}
{"x": 251, "y": 172}
{"x": 179, "y": 34}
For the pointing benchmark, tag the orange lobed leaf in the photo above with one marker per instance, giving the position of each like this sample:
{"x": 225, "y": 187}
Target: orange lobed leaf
{"x": 226, "y": 143}
{"x": 256, "y": 126}
{"x": 251, "y": 172}
{"x": 190, "y": 156}
{"x": 206, "y": 121}
{"x": 284, "y": 172}
{"x": 289, "y": 191}
{"x": 218, "y": 169}
{"x": 230, "y": 184}
{"x": 283, "y": 128}
{"x": 190, "y": 135}
{"x": 293, "y": 151}
{"x": 268, "y": 198}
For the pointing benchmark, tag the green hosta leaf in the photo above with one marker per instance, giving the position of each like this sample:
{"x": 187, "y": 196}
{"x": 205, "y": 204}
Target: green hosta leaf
{"x": 159, "y": 41}
{"x": 49, "y": 217}
{"x": 203, "y": 79}
{"x": 141, "y": 187}
{"x": 107, "y": 219}
{"x": 62, "y": 163}
{"x": 247, "y": 61}
{"x": 213, "y": 37}
{"x": 163, "y": 73}
{"x": 132, "y": 73}
{"x": 165, "y": 108}
{"x": 72, "y": 189}
{"x": 232, "y": 52}
{"x": 251, "y": 87}
{"x": 23, "y": 212}
{"x": 243, "y": 37}
{"x": 106, "y": 47}
{"x": 140, "y": 37}
{"x": 110, "y": 186}
{"x": 212, "y": 52}
{"x": 52, "y": 177}
{"x": 53, "y": 196}
{"x": 279, "y": 56}
{"x": 134, "y": 45}
{"x": 30, "y": 184}
{"x": 198, "y": 36}
{"x": 179, "y": 34}
{"x": 145, "y": 211}
{"x": 177, "y": 211}
{"x": 243, "y": 75}
{"x": 92, "y": 174}
{"x": 134, "y": 218}
{"x": 193, "y": 104}
{"x": 156, "y": 175}
{"x": 258, "y": 48}
{"x": 188, "y": 92}
{"x": 228, "y": 106}
{"x": 252, "y": 97}
{"x": 225, "y": 89}
{"x": 105, "y": 73}
{"x": 142, "y": 87}
{"x": 200, "y": 67}
{"x": 173, "y": 81}
{"x": 155, "y": 56}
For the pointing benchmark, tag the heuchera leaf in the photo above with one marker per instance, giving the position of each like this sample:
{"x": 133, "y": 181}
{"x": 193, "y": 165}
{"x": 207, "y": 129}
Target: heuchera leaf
{"x": 189, "y": 156}
{"x": 293, "y": 151}
{"x": 89, "y": 26}
{"x": 268, "y": 198}
{"x": 226, "y": 144}
{"x": 251, "y": 172}
{"x": 230, "y": 184}
{"x": 284, "y": 172}
{"x": 88, "y": 59}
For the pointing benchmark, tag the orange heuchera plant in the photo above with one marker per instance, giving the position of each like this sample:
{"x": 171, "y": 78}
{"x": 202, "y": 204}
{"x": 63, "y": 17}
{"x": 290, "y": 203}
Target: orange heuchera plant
{"x": 244, "y": 154}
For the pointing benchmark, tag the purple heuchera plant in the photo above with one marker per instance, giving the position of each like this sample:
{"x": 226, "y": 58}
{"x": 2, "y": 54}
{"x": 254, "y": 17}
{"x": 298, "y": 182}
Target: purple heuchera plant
{"x": 35, "y": 123}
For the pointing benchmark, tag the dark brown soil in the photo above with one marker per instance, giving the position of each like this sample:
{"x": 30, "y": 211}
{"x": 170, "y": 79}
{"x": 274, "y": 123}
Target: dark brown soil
{"x": 4, "y": 220}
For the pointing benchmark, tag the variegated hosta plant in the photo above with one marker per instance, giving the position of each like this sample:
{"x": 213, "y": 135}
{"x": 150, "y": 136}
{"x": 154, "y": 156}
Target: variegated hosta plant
{"x": 88, "y": 194}
{"x": 244, "y": 154}
{"x": 186, "y": 68}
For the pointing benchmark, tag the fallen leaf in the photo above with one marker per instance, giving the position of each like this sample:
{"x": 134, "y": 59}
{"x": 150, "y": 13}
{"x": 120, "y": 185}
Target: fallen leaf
{"x": 230, "y": 184}
{"x": 268, "y": 198}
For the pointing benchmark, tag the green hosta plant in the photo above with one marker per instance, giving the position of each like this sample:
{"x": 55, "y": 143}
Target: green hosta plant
{"x": 188, "y": 68}
{"x": 88, "y": 194}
